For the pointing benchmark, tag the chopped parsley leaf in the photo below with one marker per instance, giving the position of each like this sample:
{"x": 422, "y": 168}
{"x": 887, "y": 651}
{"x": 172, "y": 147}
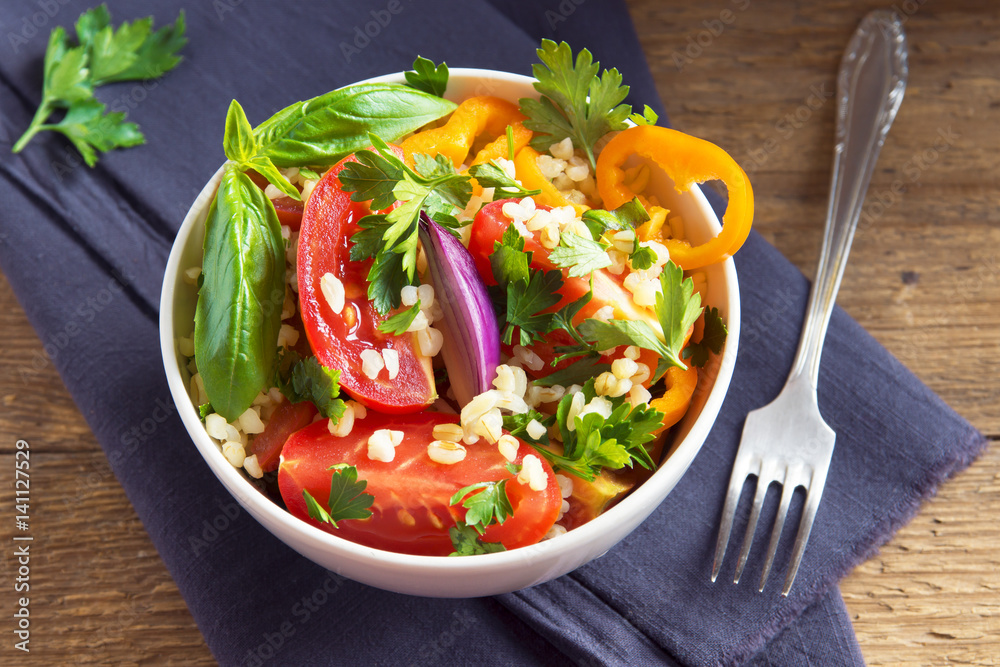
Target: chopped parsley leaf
{"x": 485, "y": 503}
{"x": 401, "y": 321}
{"x": 712, "y": 339}
{"x": 347, "y": 497}
{"x": 467, "y": 542}
{"x": 311, "y": 381}
{"x": 597, "y": 442}
{"x": 428, "y": 77}
{"x": 492, "y": 175}
{"x": 579, "y": 254}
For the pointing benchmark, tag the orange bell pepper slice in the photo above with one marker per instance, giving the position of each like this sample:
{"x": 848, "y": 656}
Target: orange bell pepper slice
{"x": 675, "y": 402}
{"x": 687, "y": 160}
{"x": 472, "y": 117}
{"x": 532, "y": 178}
{"x": 498, "y": 147}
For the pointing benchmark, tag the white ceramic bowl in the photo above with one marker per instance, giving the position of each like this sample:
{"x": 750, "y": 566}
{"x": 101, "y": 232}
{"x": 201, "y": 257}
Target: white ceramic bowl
{"x": 476, "y": 575}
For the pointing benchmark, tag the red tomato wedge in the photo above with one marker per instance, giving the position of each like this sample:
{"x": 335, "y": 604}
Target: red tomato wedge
{"x": 488, "y": 228}
{"x": 286, "y": 419}
{"x": 338, "y": 339}
{"x": 411, "y": 513}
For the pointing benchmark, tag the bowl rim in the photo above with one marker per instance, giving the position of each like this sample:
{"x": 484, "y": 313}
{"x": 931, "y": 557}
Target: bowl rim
{"x": 642, "y": 500}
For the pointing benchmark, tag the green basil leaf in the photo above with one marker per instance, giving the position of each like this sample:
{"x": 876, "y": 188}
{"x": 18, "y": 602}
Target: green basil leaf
{"x": 324, "y": 129}
{"x": 238, "y": 141}
{"x": 239, "y": 303}
{"x": 266, "y": 168}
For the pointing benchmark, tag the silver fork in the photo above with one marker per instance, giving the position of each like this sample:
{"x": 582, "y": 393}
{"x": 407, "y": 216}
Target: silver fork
{"x": 787, "y": 441}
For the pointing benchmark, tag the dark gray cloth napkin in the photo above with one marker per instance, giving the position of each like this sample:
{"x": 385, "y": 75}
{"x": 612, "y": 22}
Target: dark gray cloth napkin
{"x": 85, "y": 249}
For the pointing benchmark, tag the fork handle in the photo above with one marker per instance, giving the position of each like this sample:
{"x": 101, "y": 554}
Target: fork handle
{"x": 870, "y": 87}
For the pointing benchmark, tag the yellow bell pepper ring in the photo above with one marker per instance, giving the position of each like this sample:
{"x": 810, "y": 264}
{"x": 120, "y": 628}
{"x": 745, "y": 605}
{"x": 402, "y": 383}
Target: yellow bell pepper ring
{"x": 676, "y": 399}
{"x": 532, "y": 178}
{"x": 687, "y": 160}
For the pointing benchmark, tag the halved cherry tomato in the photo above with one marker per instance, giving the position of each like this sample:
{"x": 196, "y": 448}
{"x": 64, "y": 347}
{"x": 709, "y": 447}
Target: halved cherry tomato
{"x": 609, "y": 290}
{"x": 411, "y": 512}
{"x": 338, "y": 339}
{"x": 286, "y": 419}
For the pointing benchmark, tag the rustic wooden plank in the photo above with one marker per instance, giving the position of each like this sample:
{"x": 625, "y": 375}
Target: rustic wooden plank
{"x": 924, "y": 276}
{"x": 932, "y": 595}
{"x": 99, "y": 591}
{"x": 32, "y": 398}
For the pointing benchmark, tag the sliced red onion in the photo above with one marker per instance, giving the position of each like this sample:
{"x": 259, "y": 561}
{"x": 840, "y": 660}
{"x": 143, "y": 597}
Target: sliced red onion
{"x": 471, "y": 348}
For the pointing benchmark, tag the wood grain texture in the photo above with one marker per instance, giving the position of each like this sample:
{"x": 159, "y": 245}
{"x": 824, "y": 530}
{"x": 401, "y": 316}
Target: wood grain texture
{"x": 924, "y": 278}
{"x": 924, "y": 275}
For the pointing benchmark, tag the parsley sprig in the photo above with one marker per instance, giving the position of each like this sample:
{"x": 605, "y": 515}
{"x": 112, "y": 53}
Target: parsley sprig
{"x": 579, "y": 254}
{"x": 428, "y": 77}
{"x": 527, "y": 293}
{"x": 629, "y": 215}
{"x": 401, "y": 321}
{"x": 712, "y": 339}
{"x": 575, "y": 102}
{"x": 492, "y": 175}
{"x": 391, "y": 238}
{"x": 467, "y": 542}
{"x": 104, "y": 55}
{"x": 677, "y": 307}
{"x": 485, "y": 503}
{"x": 599, "y": 442}
{"x": 347, "y": 497}
{"x": 308, "y": 380}
{"x": 583, "y": 255}
{"x": 527, "y": 296}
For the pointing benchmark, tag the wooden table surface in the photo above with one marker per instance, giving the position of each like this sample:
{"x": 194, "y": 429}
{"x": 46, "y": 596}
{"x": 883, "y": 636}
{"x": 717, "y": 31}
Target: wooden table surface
{"x": 753, "y": 76}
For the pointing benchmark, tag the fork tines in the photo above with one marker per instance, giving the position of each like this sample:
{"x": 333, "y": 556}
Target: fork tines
{"x": 788, "y": 443}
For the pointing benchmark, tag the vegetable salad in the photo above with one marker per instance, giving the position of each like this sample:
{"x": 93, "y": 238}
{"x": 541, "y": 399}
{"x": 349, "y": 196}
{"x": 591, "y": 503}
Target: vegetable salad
{"x": 454, "y": 329}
